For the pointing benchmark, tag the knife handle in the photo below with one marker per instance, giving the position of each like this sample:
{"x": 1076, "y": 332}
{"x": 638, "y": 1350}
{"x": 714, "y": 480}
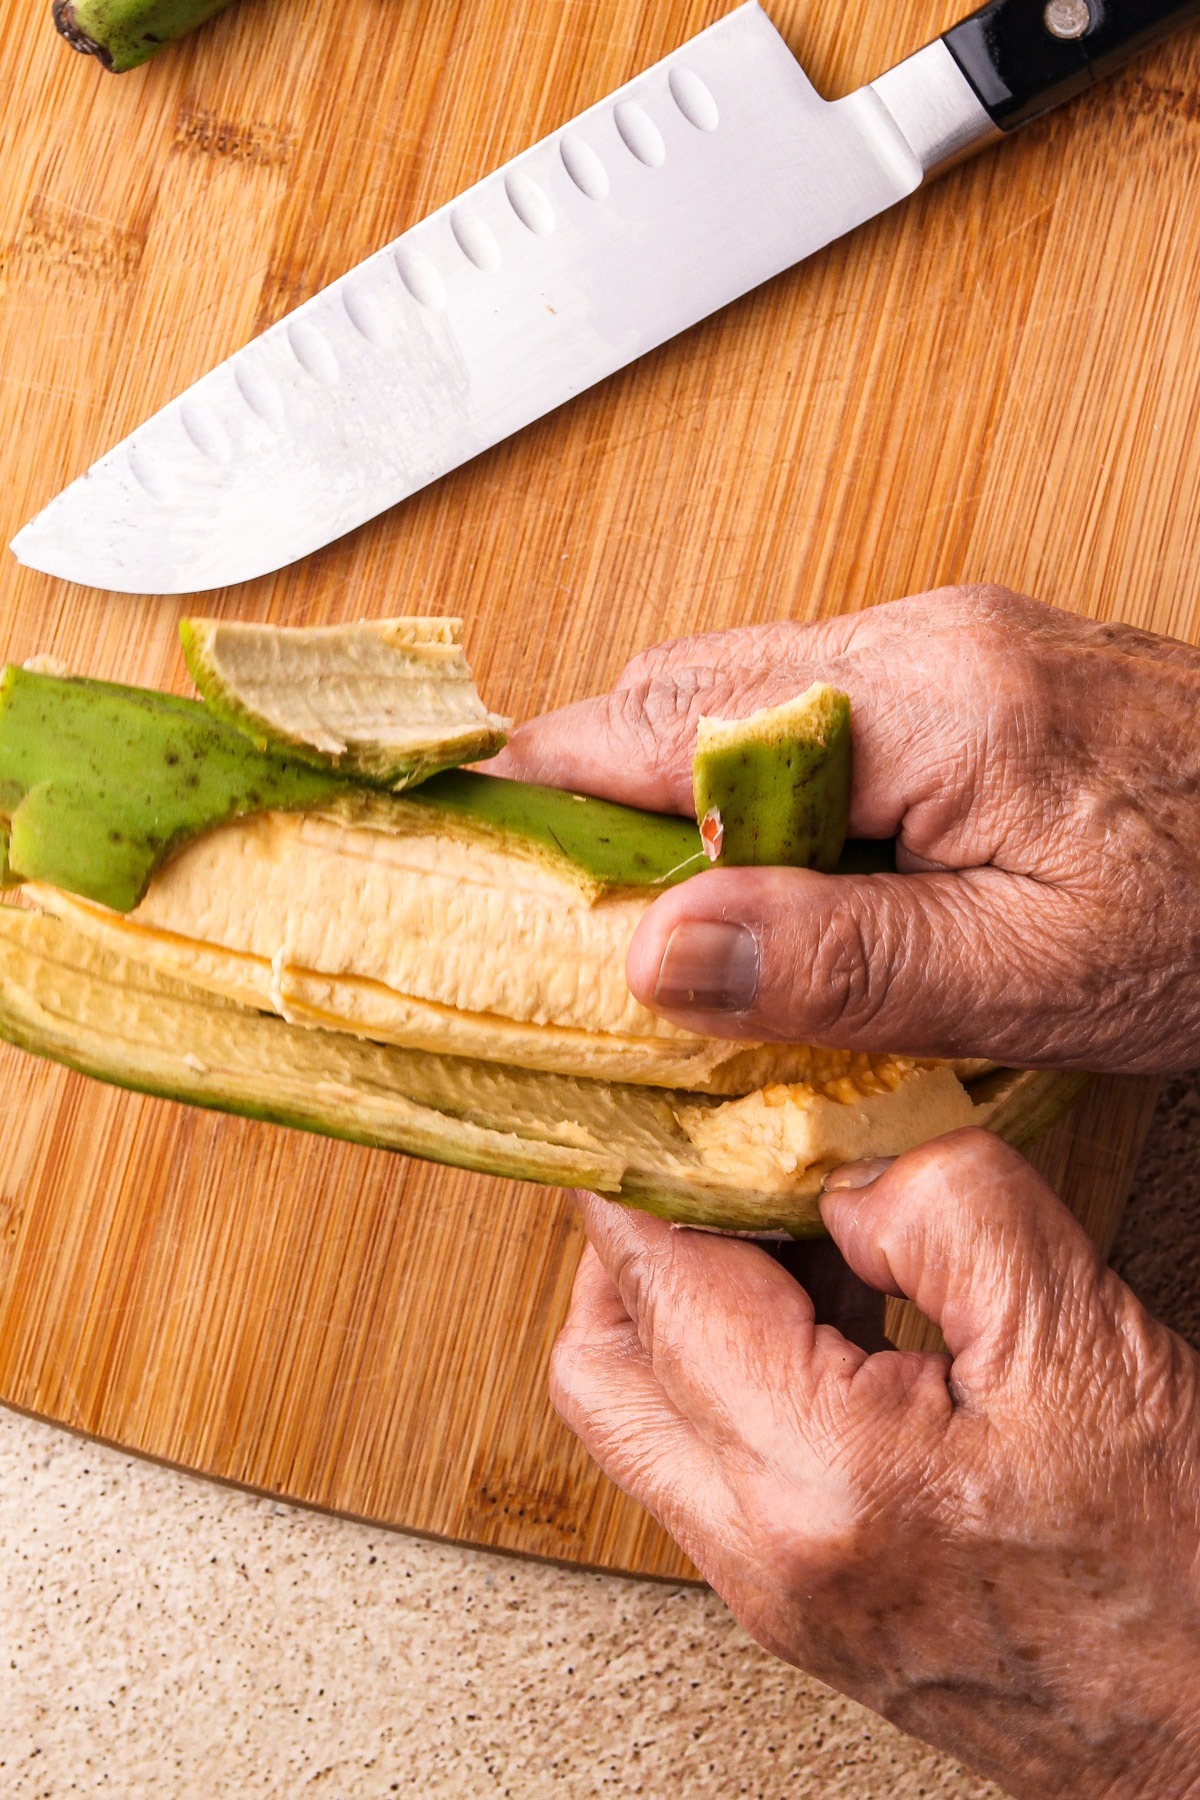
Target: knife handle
{"x": 1024, "y": 56}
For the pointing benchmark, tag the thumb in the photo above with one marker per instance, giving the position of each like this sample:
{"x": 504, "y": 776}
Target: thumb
{"x": 980, "y": 963}
{"x": 968, "y": 1230}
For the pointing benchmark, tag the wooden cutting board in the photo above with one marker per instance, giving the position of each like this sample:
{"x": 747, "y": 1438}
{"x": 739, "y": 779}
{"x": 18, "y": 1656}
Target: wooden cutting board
{"x": 995, "y": 382}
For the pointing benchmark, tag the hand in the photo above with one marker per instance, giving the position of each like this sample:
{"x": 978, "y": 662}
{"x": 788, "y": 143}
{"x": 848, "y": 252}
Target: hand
{"x": 999, "y": 1550}
{"x": 1042, "y": 774}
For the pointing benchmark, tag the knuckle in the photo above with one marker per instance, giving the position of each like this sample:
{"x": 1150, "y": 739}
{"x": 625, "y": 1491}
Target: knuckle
{"x": 635, "y": 1269}
{"x": 994, "y": 601}
{"x": 969, "y": 606}
{"x": 972, "y": 1149}
{"x": 988, "y": 606}
{"x": 651, "y": 662}
{"x": 654, "y": 721}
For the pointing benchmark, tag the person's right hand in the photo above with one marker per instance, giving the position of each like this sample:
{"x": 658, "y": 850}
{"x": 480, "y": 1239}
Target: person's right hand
{"x": 998, "y": 1549}
{"x": 1042, "y": 774}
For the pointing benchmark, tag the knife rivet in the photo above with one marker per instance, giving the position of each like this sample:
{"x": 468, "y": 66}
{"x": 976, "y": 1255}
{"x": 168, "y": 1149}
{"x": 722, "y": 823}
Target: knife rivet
{"x": 1067, "y": 18}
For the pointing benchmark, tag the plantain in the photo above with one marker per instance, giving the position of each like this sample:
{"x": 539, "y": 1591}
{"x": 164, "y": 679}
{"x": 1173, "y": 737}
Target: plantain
{"x": 438, "y": 970}
{"x": 123, "y": 34}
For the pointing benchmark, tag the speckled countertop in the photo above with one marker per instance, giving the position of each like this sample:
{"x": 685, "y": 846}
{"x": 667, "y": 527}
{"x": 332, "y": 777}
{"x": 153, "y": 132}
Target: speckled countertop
{"x": 160, "y": 1635}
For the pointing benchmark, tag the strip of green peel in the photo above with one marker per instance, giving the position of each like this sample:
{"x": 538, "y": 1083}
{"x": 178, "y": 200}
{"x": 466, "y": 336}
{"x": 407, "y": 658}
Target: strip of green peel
{"x": 775, "y": 786}
{"x": 99, "y": 783}
{"x": 292, "y": 690}
{"x": 614, "y": 846}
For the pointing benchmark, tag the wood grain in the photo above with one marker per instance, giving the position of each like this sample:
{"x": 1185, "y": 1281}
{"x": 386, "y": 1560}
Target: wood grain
{"x": 995, "y": 382}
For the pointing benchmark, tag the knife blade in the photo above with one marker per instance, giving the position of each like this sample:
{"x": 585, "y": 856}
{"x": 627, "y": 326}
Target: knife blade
{"x": 704, "y": 176}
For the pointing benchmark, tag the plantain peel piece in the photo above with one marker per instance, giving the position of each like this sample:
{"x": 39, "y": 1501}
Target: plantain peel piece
{"x": 123, "y": 34}
{"x": 101, "y": 784}
{"x": 390, "y": 701}
{"x": 699, "y": 1161}
{"x": 774, "y": 788}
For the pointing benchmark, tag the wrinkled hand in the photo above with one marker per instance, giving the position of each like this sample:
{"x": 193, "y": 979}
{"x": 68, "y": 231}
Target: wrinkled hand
{"x": 1042, "y": 774}
{"x": 999, "y": 1550}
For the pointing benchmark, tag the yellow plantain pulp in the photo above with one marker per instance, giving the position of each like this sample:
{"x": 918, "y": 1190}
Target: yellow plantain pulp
{"x": 796, "y": 1130}
{"x": 434, "y": 943}
{"x": 752, "y": 1164}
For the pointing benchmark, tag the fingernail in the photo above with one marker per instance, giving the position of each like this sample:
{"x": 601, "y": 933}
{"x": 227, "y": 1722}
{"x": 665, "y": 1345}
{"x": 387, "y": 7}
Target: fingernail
{"x": 709, "y": 964}
{"x": 857, "y": 1174}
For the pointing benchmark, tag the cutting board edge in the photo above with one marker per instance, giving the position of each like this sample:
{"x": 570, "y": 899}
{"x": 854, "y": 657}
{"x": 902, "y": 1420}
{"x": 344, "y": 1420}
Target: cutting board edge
{"x": 281, "y": 1497}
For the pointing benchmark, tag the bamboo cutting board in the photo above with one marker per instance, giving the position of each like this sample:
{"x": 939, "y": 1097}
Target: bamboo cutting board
{"x": 996, "y": 382}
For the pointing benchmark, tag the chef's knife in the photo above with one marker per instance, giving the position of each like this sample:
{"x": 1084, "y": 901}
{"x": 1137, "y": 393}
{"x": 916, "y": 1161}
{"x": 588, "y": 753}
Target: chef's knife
{"x": 714, "y": 170}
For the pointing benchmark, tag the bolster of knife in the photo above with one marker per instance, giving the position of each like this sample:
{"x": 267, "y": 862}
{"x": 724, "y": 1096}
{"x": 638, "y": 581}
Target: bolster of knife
{"x": 1024, "y": 56}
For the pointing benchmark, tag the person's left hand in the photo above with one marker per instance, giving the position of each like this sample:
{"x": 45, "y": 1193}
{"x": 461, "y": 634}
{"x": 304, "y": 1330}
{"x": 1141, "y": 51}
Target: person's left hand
{"x": 999, "y": 1549}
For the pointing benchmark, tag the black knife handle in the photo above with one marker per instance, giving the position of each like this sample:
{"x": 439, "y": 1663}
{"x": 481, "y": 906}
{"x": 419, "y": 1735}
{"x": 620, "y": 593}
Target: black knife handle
{"x": 1024, "y": 56}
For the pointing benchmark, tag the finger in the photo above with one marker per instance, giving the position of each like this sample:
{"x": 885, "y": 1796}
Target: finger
{"x": 603, "y": 1387}
{"x": 636, "y": 744}
{"x": 968, "y": 1230}
{"x": 925, "y": 730}
{"x": 784, "y": 645}
{"x": 732, "y": 1341}
{"x": 980, "y": 963}
{"x": 605, "y": 746}
{"x": 731, "y": 1338}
